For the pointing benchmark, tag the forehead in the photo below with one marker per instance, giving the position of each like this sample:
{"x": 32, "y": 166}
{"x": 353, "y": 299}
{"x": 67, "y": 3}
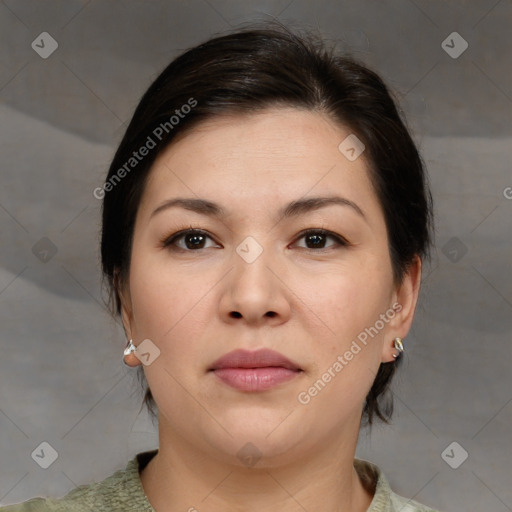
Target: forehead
{"x": 259, "y": 160}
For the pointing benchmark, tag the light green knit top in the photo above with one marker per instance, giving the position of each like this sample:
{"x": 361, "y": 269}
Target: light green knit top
{"x": 123, "y": 492}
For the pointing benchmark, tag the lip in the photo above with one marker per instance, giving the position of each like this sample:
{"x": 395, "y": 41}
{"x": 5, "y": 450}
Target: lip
{"x": 254, "y": 371}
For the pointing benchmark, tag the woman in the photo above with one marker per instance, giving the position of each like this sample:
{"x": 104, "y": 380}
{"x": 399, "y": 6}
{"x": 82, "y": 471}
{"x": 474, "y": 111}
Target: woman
{"x": 265, "y": 219}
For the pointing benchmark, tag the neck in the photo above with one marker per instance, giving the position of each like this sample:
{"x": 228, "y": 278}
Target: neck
{"x": 180, "y": 477}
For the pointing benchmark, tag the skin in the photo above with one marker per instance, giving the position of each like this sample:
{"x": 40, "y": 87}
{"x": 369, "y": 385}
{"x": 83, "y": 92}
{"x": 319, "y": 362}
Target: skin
{"x": 307, "y": 303}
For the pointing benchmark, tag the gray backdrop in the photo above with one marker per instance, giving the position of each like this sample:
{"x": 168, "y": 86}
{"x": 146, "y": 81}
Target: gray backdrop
{"x": 61, "y": 377}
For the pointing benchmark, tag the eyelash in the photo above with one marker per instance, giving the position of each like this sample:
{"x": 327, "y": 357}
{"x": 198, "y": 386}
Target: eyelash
{"x": 169, "y": 241}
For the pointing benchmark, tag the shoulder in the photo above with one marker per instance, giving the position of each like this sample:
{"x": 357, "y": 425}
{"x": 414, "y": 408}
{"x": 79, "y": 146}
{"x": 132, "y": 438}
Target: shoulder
{"x": 33, "y": 505}
{"x": 399, "y": 503}
{"x": 120, "y": 491}
{"x": 384, "y": 499}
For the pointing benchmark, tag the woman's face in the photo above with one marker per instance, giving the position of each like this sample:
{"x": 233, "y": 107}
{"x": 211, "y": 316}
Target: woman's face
{"x": 259, "y": 275}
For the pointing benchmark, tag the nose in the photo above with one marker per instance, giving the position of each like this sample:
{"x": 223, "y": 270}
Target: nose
{"x": 255, "y": 291}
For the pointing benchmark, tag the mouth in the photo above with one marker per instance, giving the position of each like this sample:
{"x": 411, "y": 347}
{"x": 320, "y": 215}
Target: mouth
{"x": 254, "y": 371}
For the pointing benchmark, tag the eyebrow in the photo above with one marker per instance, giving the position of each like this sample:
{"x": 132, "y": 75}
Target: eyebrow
{"x": 292, "y": 209}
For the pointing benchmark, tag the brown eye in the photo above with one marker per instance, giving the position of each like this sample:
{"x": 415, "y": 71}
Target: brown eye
{"x": 317, "y": 238}
{"x": 193, "y": 239}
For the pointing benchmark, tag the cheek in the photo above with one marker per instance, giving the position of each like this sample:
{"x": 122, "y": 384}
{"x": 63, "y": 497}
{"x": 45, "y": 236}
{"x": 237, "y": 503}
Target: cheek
{"x": 343, "y": 302}
{"x": 346, "y": 308}
{"x": 168, "y": 303}
{"x": 170, "y": 309}
{"x": 347, "y": 348}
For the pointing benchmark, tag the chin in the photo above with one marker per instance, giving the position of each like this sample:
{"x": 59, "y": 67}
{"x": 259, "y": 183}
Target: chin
{"x": 259, "y": 452}
{"x": 266, "y": 440}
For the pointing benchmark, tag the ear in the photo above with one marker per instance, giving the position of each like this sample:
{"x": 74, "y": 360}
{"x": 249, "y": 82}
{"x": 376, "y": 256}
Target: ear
{"x": 404, "y": 303}
{"x": 123, "y": 290}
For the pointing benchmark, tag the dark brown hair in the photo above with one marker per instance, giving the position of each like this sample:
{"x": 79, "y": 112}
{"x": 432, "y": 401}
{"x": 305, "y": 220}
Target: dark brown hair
{"x": 248, "y": 71}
